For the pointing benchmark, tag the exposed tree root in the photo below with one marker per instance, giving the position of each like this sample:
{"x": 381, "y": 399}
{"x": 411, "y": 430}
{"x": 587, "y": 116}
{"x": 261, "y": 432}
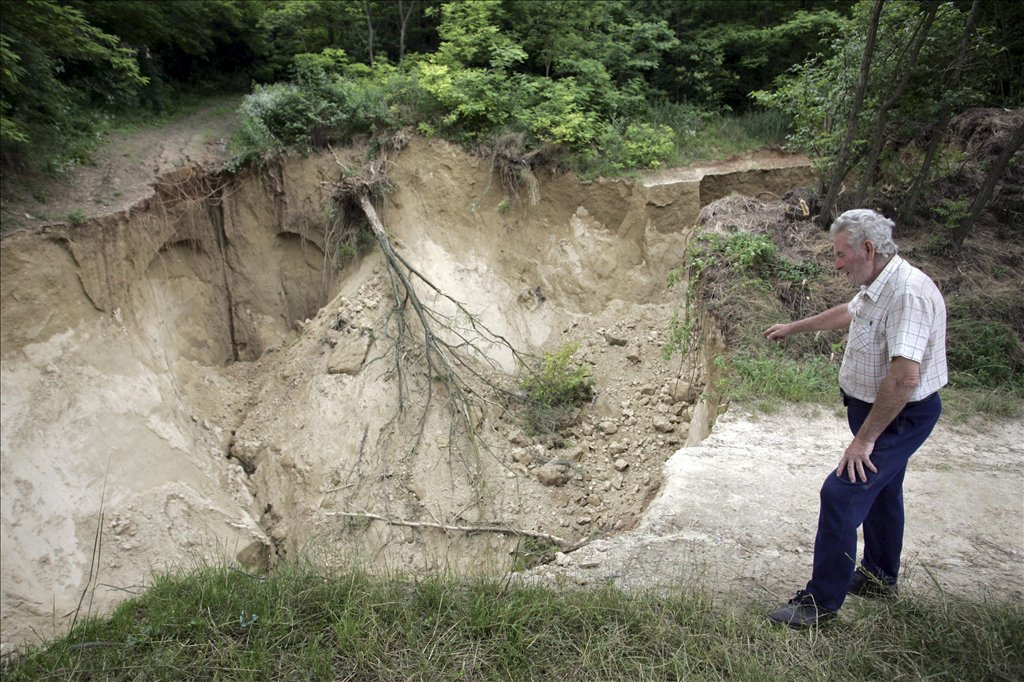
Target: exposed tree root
{"x": 515, "y": 166}
{"x": 563, "y": 544}
{"x": 435, "y": 337}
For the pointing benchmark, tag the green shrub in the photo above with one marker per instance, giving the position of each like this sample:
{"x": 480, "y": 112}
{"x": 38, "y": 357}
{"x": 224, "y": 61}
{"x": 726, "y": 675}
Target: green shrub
{"x": 552, "y": 393}
{"x": 558, "y": 111}
{"x": 645, "y": 146}
{"x": 753, "y": 254}
{"x": 748, "y": 251}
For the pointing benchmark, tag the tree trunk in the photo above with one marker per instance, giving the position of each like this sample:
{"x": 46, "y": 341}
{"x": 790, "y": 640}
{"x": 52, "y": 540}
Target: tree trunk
{"x": 942, "y": 122}
{"x": 369, "y": 31}
{"x": 842, "y": 163}
{"x": 871, "y": 166}
{"x": 988, "y": 187}
{"x": 404, "y": 13}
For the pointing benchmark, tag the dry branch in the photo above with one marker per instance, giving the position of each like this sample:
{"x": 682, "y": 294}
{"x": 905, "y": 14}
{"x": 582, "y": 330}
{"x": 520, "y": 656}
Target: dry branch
{"x": 563, "y": 544}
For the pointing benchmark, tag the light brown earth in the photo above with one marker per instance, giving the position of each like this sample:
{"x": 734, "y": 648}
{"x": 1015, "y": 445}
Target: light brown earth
{"x": 185, "y": 381}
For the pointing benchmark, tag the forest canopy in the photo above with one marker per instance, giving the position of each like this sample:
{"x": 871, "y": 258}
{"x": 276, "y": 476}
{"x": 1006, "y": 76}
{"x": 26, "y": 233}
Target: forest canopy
{"x": 604, "y": 86}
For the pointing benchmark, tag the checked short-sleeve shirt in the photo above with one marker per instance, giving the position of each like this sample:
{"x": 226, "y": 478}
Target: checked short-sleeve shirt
{"x": 900, "y": 314}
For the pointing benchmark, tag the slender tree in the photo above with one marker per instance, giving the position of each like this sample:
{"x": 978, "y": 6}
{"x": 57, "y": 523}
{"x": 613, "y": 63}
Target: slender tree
{"x": 404, "y": 9}
{"x": 981, "y": 200}
{"x": 905, "y": 68}
{"x": 842, "y": 164}
{"x": 369, "y": 31}
{"x": 945, "y": 109}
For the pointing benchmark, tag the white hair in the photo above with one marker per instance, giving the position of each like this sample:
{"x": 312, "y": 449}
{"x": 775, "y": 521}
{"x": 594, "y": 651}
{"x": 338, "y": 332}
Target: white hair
{"x": 863, "y": 224}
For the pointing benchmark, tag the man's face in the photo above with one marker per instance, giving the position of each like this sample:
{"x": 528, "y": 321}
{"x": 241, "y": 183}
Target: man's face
{"x": 857, "y": 264}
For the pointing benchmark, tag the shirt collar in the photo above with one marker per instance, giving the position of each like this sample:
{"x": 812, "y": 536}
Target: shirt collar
{"x": 874, "y": 290}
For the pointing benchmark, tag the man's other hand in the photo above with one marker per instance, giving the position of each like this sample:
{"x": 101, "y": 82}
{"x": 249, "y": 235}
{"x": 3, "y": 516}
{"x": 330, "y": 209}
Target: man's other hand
{"x": 856, "y": 461}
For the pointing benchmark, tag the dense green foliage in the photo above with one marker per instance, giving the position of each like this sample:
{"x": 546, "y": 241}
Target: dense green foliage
{"x": 612, "y": 84}
{"x": 296, "y": 623}
{"x": 868, "y": 124}
{"x": 54, "y": 63}
{"x": 817, "y": 92}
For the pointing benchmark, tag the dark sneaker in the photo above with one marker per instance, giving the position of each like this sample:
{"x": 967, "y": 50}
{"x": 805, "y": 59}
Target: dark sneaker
{"x": 801, "y": 612}
{"x": 864, "y": 584}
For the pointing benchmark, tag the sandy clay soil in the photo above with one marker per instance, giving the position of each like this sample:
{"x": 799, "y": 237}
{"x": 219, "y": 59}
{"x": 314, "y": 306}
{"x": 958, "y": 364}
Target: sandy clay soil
{"x": 209, "y": 390}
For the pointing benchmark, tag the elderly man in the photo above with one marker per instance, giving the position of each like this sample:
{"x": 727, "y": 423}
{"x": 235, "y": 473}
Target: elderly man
{"x": 894, "y": 365}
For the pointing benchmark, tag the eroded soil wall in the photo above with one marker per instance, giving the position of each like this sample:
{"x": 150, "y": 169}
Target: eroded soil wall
{"x": 190, "y": 380}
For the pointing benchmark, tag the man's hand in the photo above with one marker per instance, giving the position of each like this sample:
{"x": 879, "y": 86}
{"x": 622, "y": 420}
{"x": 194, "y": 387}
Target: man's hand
{"x": 837, "y": 317}
{"x": 855, "y": 460}
{"x": 778, "y": 332}
{"x": 896, "y": 388}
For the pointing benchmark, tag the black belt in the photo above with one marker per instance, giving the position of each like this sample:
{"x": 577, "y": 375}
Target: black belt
{"x": 847, "y": 399}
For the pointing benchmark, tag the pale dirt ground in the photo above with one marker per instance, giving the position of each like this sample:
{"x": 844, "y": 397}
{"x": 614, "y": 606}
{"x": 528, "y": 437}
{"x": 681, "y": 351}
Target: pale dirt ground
{"x": 130, "y": 410}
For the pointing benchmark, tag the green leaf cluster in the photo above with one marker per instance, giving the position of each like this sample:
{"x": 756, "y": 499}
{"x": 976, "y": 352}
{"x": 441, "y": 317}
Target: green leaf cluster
{"x": 818, "y": 93}
{"x": 551, "y": 393}
{"x": 559, "y": 383}
{"x": 53, "y": 62}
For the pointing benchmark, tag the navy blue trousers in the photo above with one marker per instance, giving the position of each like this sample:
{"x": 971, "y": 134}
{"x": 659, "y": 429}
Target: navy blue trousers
{"x": 877, "y": 504}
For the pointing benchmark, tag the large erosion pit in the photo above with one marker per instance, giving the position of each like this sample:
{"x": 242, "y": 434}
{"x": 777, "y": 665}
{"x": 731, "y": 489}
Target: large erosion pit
{"x": 190, "y": 380}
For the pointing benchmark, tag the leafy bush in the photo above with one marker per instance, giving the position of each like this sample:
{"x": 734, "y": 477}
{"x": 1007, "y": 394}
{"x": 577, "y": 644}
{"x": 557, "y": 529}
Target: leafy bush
{"x": 552, "y": 393}
{"x": 558, "y": 111}
{"x": 642, "y": 145}
{"x": 328, "y": 101}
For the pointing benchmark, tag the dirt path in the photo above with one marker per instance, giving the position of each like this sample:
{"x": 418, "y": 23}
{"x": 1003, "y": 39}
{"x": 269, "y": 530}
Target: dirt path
{"x": 124, "y": 168}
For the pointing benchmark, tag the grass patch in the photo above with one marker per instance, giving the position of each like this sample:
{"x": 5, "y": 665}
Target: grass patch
{"x": 703, "y": 136}
{"x": 984, "y": 352}
{"x": 297, "y": 623}
{"x": 962, "y": 402}
{"x": 175, "y": 108}
{"x": 776, "y": 378}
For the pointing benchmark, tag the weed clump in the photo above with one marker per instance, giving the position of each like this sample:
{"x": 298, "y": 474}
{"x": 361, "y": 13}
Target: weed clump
{"x": 552, "y": 394}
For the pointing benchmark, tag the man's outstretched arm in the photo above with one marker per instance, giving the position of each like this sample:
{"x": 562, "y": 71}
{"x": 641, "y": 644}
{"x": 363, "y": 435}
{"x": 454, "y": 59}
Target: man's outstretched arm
{"x": 834, "y": 318}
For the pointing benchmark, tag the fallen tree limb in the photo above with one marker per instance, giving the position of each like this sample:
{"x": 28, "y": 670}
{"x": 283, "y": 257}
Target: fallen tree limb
{"x": 453, "y": 346}
{"x": 563, "y": 544}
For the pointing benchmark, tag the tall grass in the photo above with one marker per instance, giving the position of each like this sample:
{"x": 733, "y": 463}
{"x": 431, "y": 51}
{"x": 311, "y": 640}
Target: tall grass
{"x": 702, "y": 134}
{"x": 775, "y": 377}
{"x": 298, "y": 624}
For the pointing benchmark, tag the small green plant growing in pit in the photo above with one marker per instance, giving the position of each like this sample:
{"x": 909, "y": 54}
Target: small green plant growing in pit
{"x": 552, "y": 393}
{"x": 76, "y": 216}
{"x": 680, "y": 336}
{"x": 534, "y": 552}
